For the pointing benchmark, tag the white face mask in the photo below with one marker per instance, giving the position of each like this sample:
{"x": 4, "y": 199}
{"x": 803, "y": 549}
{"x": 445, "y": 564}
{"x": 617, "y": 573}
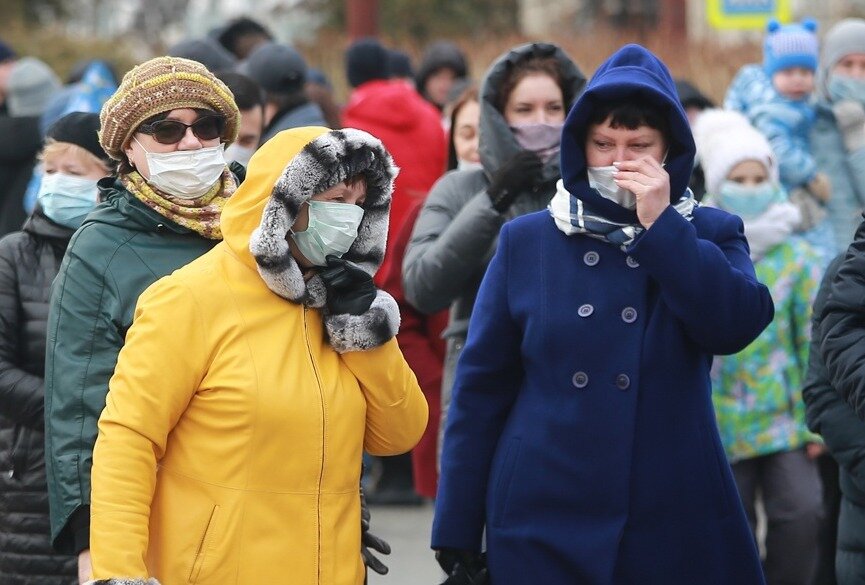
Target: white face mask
{"x": 187, "y": 174}
{"x": 331, "y": 231}
{"x": 601, "y": 180}
{"x": 239, "y": 154}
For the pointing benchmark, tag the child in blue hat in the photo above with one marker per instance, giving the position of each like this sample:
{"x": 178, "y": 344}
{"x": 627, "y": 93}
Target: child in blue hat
{"x": 776, "y": 98}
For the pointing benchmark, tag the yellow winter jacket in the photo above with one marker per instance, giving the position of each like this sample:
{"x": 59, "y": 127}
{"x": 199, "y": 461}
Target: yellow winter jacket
{"x": 229, "y": 450}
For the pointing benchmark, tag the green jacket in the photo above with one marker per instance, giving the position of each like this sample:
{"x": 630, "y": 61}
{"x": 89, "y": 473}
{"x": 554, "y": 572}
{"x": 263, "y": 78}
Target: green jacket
{"x": 122, "y": 248}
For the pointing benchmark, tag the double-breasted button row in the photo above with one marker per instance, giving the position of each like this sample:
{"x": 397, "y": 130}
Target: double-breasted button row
{"x": 591, "y": 258}
{"x": 629, "y": 314}
{"x": 585, "y": 310}
{"x": 581, "y": 380}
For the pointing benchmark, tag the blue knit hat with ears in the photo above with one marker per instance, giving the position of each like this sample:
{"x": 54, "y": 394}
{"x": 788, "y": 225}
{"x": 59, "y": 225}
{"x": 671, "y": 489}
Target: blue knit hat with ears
{"x": 790, "y": 45}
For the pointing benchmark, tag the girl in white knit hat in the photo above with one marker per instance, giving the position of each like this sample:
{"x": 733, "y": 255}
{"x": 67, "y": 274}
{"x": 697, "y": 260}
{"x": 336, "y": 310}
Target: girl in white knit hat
{"x": 757, "y": 393}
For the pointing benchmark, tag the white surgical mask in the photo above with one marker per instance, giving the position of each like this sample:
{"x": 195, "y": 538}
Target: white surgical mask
{"x": 239, "y": 154}
{"x": 187, "y": 174}
{"x": 601, "y": 180}
{"x": 67, "y": 199}
{"x": 331, "y": 231}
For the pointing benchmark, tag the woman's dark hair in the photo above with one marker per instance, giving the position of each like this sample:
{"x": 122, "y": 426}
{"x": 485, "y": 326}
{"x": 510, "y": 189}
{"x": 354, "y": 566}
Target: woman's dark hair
{"x": 469, "y": 94}
{"x": 631, "y": 112}
{"x": 532, "y": 66}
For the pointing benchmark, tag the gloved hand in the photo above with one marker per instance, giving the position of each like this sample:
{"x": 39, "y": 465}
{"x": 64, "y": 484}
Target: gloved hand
{"x": 368, "y": 541}
{"x": 821, "y": 187}
{"x": 850, "y": 116}
{"x": 349, "y": 287}
{"x": 517, "y": 175}
{"x": 463, "y": 567}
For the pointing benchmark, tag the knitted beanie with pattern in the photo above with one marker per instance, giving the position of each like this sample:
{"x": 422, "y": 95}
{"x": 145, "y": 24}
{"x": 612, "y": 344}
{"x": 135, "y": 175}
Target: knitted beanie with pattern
{"x": 161, "y": 85}
{"x": 790, "y": 45}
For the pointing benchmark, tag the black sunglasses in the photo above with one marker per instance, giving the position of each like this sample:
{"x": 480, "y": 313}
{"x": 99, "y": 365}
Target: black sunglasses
{"x": 172, "y": 131}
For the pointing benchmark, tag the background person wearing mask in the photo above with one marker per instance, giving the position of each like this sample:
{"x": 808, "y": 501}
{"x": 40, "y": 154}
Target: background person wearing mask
{"x": 581, "y": 439}
{"x": 29, "y": 261}
{"x": 167, "y": 125}
{"x": 838, "y": 134}
{"x": 249, "y": 99}
{"x": 757, "y": 392}
{"x": 282, "y": 365}
{"x": 281, "y": 72}
{"x": 524, "y": 97}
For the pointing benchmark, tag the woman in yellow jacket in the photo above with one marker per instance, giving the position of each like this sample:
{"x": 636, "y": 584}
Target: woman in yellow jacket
{"x": 251, "y": 380}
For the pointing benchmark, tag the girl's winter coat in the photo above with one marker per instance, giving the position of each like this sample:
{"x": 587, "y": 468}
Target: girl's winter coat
{"x": 758, "y": 392}
{"x": 29, "y": 261}
{"x": 242, "y": 465}
{"x": 582, "y": 435}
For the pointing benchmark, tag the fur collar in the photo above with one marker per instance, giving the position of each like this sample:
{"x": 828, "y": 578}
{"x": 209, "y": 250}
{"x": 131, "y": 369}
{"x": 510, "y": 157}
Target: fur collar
{"x": 327, "y": 160}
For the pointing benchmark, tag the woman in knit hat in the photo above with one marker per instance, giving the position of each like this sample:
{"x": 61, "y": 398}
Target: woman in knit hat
{"x": 252, "y": 379}
{"x": 29, "y": 261}
{"x": 757, "y": 393}
{"x": 166, "y": 126}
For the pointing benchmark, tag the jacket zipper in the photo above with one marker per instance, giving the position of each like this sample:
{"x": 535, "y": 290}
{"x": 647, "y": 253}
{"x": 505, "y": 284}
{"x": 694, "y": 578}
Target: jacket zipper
{"x": 321, "y": 402}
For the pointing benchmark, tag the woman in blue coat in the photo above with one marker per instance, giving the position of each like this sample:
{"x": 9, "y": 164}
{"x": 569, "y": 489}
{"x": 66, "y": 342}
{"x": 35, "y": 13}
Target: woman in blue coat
{"x": 581, "y": 434}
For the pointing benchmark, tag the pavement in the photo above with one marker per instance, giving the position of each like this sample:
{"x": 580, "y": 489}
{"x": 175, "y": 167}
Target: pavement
{"x": 407, "y": 529}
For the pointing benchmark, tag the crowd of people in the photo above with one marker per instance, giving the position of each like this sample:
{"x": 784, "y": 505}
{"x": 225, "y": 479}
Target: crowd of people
{"x": 599, "y": 321}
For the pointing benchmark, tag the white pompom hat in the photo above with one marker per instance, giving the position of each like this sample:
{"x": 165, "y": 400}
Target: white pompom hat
{"x": 724, "y": 139}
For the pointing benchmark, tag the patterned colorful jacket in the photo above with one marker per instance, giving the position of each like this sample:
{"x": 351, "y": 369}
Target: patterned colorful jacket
{"x": 757, "y": 392}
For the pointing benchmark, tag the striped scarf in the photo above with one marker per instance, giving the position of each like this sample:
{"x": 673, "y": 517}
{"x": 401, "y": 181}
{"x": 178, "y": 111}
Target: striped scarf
{"x": 572, "y": 217}
{"x": 200, "y": 215}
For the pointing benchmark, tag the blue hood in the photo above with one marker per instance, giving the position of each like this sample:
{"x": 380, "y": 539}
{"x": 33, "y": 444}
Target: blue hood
{"x": 630, "y": 71}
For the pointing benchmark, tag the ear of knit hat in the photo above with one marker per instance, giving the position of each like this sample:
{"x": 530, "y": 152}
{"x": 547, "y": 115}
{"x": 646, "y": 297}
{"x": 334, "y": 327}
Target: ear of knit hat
{"x": 791, "y": 45}
{"x": 80, "y": 129}
{"x": 724, "y": 139}
{"x": 161, "y": 85}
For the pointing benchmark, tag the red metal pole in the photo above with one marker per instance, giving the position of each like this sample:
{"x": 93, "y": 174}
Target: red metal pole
{"x": 361, "y": 18}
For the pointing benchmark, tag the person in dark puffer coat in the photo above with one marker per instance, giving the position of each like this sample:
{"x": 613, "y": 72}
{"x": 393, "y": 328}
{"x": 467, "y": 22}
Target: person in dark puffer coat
{"x": 29, "y": 261}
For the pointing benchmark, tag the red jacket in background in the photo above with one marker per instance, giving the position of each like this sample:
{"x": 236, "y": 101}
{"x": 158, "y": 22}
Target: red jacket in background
{"x": 411, "y": 129}
{"x": 420, "y": 339}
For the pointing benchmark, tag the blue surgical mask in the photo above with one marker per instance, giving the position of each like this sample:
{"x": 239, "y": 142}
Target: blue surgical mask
{"x": 331, "y": 231}
{"x": 748, "y": 201}
{"x": 67, "y": 199}
{"x": 843, "y": 87}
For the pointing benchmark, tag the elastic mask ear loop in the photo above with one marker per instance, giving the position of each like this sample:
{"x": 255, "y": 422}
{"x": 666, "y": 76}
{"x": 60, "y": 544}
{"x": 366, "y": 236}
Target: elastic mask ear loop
{"x": 291, "y": 229}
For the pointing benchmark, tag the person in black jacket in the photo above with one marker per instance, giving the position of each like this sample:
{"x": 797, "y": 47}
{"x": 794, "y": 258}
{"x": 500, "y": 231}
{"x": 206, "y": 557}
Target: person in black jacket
{"x": 29, "y": 261}
{"x": 844, "y": 436}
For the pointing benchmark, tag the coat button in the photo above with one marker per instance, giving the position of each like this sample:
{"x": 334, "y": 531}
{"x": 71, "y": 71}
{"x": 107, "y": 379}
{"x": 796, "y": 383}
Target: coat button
{"x": 580, "y": 380}
{"x": 591, "y": 258}
{"x": 629, "y": 314}
{"x": 623, "y": 382}
{"x": 631, "y": 262}
{"x": 585, "y": 310}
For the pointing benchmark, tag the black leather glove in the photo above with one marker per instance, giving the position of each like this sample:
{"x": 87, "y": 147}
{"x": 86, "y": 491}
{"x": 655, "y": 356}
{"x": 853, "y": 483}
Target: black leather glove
{"x": 370, "y": 542}
{"x": 463, "y": 567}
{"x": 349, "y": 287}
{"x": 518, "y": 175}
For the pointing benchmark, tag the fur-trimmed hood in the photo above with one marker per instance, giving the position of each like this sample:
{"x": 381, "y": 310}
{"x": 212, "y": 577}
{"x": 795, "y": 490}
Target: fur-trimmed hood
{"x": 283, "y": 174}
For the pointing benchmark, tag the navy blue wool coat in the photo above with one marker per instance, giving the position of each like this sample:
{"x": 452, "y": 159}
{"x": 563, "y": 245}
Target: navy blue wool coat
{"x": 581, "y": 435}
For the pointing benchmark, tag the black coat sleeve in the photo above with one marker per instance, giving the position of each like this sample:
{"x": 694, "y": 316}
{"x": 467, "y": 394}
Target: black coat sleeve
{"x": 21, "y": 392}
